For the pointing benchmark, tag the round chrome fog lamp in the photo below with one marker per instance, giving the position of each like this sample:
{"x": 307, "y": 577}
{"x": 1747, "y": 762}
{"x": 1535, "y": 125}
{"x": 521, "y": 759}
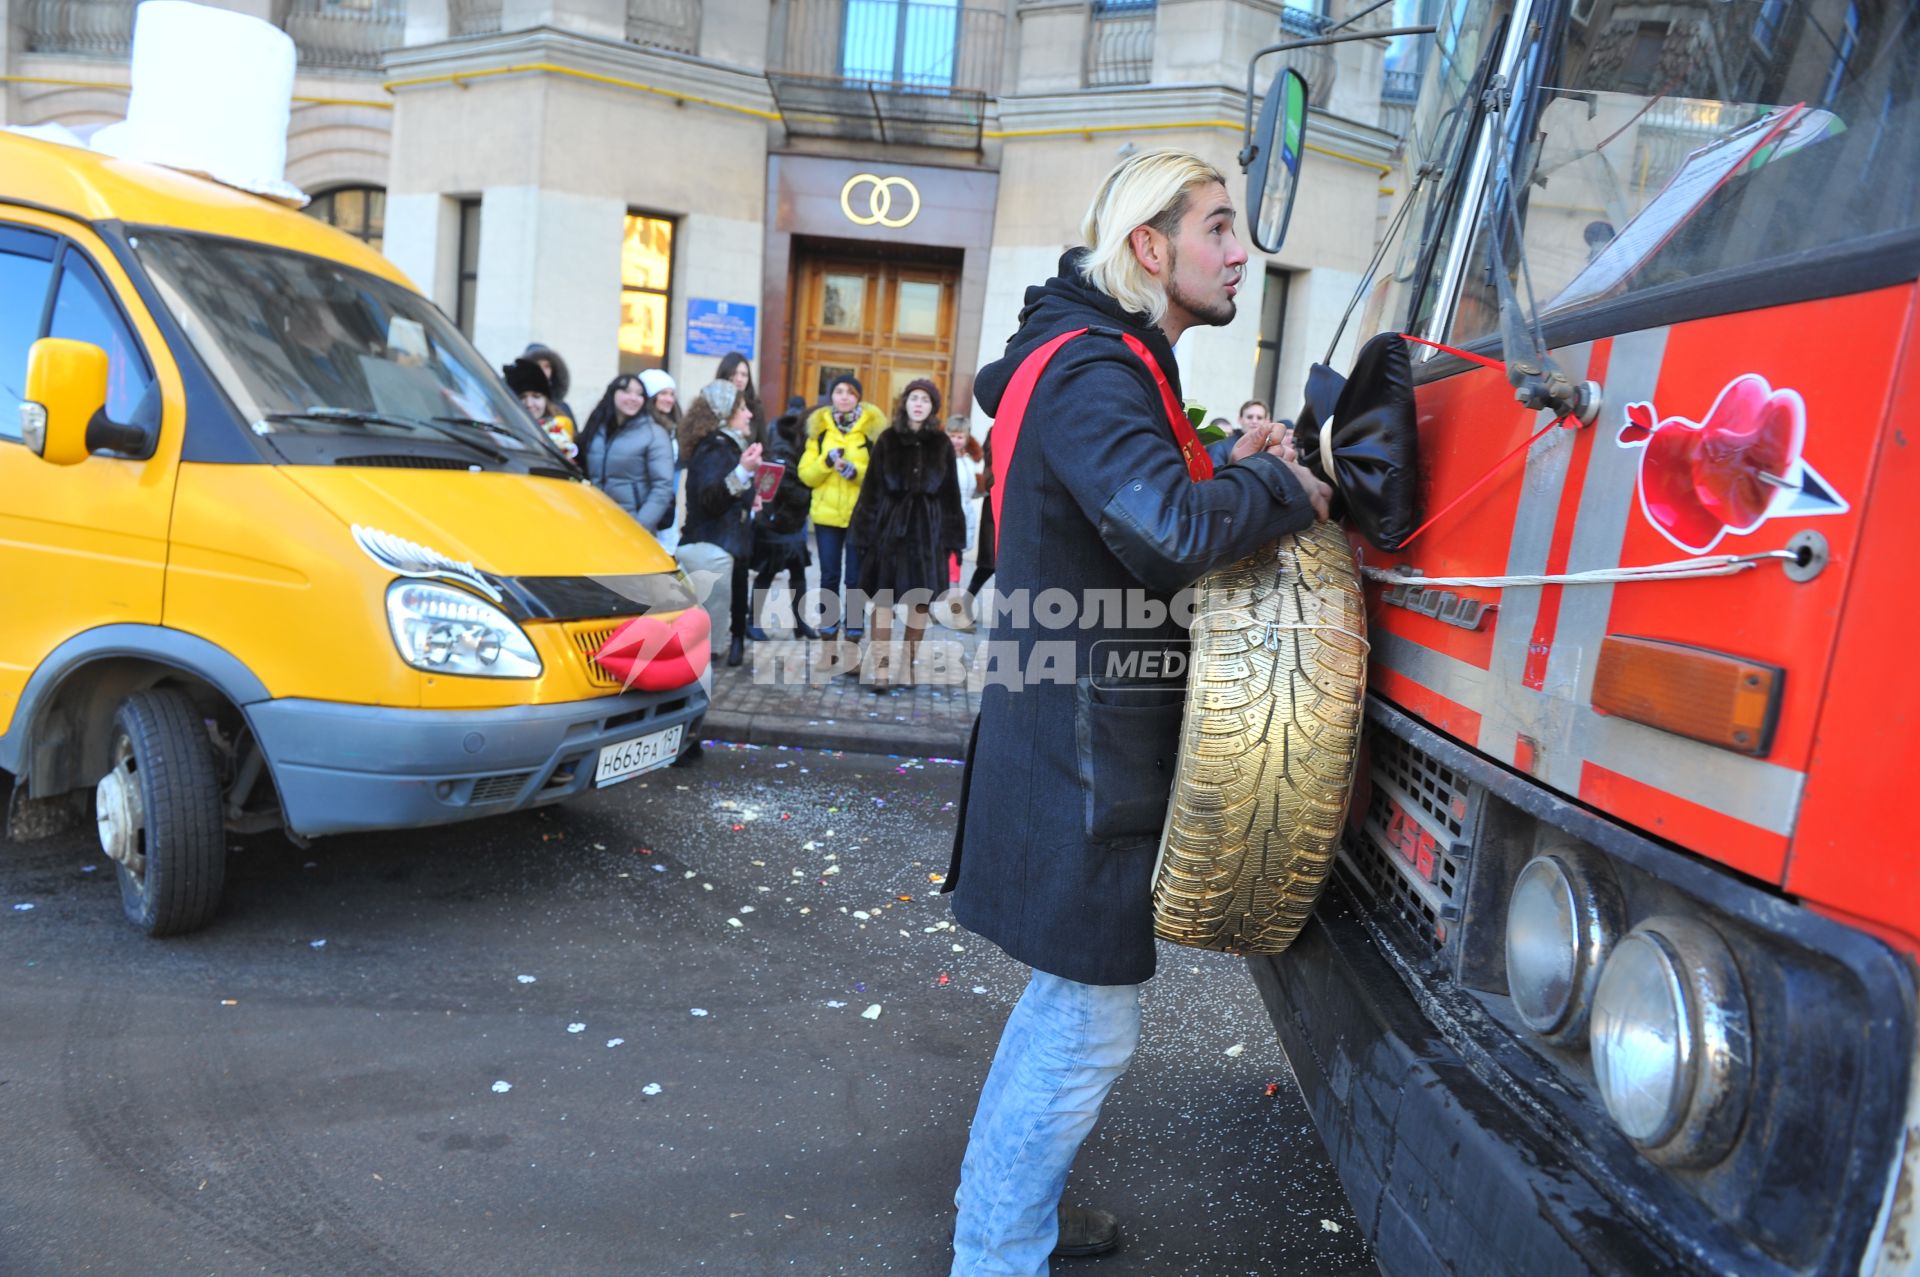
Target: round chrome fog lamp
{"x": 1562, "y": 920}
{"x": 1672, "y": 1047}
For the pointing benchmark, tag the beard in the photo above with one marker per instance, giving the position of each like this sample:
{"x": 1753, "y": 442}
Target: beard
{"x": 1216, "y": 312}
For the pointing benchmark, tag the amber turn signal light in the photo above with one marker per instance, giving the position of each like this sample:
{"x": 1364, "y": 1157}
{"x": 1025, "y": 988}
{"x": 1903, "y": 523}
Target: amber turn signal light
{"x": 1708, "y": 696}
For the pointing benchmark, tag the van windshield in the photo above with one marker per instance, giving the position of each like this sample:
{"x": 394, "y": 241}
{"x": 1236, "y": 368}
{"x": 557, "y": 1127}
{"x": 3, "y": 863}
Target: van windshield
{"x": 1658, "y": 145}
{"x": 305, "y": 346}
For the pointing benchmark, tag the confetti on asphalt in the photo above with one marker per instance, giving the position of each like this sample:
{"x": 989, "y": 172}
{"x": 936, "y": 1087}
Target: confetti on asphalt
{"x": 526, "y": 979}
{"x": 836, "y": 1005}
{"x": 1327, "y": 1225}
{"x": 22, "y": 908}
{"x": 746, "y": 908}
{"x": 945, "y": 979}
{"x": 735, "y": 922}
{"x": 699, "y": 1011}
{"x": 1234, "y": 1051}
{"x": 613, "y": 1042}
{"x": 659, "y": 869}
{"x": 599, "y": 846}
{"x": 689, "y": 874}
{"x": 861, "y": 914}
{"x": 501, "y": 1088}
{"x": 651, "y": 1088}
{"x": 979, "y": 988}
{"x": 229, "y": 1002}
{"x": 871, "y": 1013}
{"x": 830, "y": 869}
{"x": 87, "y": 869}
{"x": 1273, "y": 1089}
{"x": 576, "y": 1027}
{"x": 311, "y": 944}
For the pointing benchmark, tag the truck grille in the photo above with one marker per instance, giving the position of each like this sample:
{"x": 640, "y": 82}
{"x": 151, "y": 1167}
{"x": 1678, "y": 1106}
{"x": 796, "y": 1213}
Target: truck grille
{"x": 1411, "y": 850}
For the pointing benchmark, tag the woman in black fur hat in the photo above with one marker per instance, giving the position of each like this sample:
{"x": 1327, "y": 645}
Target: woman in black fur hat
{"x": 908, "y": 521}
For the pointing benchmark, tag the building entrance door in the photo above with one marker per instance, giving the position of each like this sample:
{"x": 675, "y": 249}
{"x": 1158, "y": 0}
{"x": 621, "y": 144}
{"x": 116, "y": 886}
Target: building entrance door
{"x": 886, "y": 322}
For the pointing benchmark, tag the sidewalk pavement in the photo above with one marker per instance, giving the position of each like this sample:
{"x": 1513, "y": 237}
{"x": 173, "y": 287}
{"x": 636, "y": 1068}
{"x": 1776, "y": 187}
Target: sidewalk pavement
{"x": 796, "y": 692}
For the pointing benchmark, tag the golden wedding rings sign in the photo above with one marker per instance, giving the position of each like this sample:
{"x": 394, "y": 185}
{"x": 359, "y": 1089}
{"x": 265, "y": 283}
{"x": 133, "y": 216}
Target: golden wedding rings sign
{"x": 870, "y": 200}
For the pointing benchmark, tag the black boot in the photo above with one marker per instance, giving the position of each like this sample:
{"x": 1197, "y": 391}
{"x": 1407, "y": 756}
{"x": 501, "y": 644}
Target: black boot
{"x": 1085, "y": 1231}
{"x": 802, "y": 630}
{"x": 737, "y": 650}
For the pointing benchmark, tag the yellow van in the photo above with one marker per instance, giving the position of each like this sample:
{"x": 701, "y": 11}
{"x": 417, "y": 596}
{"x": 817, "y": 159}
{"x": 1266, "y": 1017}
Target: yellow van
{"x": 278, "y": 550}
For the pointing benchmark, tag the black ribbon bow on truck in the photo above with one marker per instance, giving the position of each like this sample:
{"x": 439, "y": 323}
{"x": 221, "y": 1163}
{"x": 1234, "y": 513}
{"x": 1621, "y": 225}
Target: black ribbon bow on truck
{"x": 1358, "y": 433}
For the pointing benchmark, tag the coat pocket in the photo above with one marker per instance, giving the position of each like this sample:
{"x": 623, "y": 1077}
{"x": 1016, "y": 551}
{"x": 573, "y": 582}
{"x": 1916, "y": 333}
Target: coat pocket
{"x": 1126, "y": 739}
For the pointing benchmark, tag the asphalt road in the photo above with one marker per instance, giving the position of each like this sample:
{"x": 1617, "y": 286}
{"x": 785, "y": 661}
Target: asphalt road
{"x": 713, "y": 1021}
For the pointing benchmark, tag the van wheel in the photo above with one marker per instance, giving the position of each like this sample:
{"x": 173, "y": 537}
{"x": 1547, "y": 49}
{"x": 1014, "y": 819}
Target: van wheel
{"x": 158, "y": 808}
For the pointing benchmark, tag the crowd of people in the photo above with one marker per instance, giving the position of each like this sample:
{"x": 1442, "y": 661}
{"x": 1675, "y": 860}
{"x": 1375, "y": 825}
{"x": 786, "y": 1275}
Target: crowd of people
{"x": 893, "y": 500}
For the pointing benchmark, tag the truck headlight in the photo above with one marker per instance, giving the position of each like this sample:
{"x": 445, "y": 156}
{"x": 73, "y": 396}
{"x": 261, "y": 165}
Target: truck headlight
{"x": 446, "y": 631}
{"x": 1562, "y": 920}
{"x": 1672, "y": 1046}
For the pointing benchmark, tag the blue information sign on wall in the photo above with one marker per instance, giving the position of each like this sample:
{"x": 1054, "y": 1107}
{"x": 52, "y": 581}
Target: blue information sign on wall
{"x": 714, "y": 328}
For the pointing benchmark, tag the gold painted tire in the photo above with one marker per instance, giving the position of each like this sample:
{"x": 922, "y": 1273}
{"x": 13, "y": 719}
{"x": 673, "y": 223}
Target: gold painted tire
{"x": 1267, "y": 746}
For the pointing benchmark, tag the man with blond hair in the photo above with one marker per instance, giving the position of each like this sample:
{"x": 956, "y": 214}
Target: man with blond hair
{"x": 1104, "y": 492}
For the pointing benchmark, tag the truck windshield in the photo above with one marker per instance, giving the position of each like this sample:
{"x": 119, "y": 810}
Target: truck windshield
{"x": 306, "y": 346}
{"x": 1659, "y": 145}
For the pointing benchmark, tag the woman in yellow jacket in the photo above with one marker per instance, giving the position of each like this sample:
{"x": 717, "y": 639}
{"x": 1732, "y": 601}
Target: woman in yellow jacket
{"x": 834, "y": 465}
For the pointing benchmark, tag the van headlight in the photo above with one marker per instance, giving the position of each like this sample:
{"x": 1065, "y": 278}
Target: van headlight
{"x": 446, "y": 631}
{"x": 1562, "y": 921}
{"x": 1672, "y": 1045}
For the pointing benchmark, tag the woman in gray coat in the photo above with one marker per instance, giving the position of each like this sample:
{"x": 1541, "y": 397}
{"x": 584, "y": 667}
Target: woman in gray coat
{"x": 628, "y": 455}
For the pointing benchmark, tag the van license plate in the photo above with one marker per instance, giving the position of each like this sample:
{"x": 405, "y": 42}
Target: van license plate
{"x": 629, "y": 758}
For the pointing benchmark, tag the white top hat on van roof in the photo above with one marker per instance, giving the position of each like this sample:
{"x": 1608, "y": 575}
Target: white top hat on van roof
{"x": 212, "y": 94}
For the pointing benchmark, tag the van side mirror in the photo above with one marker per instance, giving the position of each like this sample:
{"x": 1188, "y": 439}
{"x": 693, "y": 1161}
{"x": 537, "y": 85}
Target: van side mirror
{"x": 64, "y": 415}
{"x": 66, "y": 386}
{"x": 1273, "y": 171}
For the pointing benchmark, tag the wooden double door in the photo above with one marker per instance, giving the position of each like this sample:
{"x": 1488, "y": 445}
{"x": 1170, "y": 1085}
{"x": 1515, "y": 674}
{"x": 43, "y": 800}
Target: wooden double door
{"x": 886, "y": 322}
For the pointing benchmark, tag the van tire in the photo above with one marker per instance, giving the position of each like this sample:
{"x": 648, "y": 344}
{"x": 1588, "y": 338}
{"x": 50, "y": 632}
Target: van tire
{"x": 163, "y": 765}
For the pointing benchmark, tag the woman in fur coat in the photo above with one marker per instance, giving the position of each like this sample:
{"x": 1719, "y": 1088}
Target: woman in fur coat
{"x": 907, "y": 524}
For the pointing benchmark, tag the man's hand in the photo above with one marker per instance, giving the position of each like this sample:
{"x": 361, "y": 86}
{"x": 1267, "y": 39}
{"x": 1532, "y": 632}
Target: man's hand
{"x": 1251, "y": 441}
{"x": 1317, "y": 492}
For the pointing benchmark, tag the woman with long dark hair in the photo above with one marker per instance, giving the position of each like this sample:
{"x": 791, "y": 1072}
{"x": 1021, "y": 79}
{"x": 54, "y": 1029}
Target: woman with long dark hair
{"x": 907, "y": 524}
{"x": 736, "y": 368}
{"x": 627, "y": 452}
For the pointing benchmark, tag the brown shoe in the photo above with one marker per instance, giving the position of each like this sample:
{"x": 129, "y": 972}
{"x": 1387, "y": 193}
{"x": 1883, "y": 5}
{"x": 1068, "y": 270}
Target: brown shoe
{"x": 1085, "y": 1232}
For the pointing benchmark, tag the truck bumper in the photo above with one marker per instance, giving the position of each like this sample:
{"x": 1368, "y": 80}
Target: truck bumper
{"x": 348, "y": 768}
{"x": 1442, "y": 1173}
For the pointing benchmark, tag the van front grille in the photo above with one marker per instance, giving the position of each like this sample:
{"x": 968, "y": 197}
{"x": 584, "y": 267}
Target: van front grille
{"x": 589, "y": 637}
{"x": 498, "y": 789}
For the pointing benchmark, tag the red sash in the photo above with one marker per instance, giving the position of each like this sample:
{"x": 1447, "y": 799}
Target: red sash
{"x": 1013, "y": 410}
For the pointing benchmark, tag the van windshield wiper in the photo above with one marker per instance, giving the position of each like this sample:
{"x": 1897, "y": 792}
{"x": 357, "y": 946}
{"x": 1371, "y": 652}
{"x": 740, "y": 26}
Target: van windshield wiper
{"x": 351, "y": 416}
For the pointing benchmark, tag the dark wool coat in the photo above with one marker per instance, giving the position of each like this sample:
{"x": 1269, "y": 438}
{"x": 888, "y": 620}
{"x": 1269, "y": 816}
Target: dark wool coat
{"x": 715, "y": 515}
{"x": 1067, "y": 782}
{"x": 909, "y": 517}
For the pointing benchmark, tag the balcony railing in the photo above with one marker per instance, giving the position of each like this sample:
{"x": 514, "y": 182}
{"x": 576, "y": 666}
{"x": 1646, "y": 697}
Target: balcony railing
{"x": 473, "y": 17}
{"x": 83, "y": 28}
{"x": 1302, "y": 24}
{"x": 665, "y": 24}
{"x": 919, "y": 45}
{"x": 1119, "y": 42}
{"x": 345, "y": 34}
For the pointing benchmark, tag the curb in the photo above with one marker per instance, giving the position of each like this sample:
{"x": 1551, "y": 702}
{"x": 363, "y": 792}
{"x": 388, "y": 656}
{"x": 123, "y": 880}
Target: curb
{"x": 906, "y": 739}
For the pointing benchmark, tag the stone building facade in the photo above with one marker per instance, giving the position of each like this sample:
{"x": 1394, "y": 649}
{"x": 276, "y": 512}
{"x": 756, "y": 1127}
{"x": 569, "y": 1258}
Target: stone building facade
{"x": 831, "y": 184}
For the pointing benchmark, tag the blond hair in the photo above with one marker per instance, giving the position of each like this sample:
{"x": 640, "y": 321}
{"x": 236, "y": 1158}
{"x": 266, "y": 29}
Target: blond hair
{"x": 1147, "y": 189}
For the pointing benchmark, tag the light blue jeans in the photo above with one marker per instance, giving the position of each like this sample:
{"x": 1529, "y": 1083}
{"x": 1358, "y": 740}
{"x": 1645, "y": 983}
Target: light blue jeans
{"x": 1064, "y": 1047}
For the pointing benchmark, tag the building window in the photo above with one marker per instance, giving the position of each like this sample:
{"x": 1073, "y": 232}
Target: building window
{"x": 469, "y": 275}
{"x": 646, "y": 283}
{"x": 907, "y": 42}
{"x": 1273, "y": 322}
{"x": 1766, "y": 26}
{"x": 360, "y": 211}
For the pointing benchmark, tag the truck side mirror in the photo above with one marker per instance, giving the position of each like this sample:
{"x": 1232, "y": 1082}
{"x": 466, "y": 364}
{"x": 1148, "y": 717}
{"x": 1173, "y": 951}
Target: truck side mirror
{"x": 64, "y": 415}
{"x": 66, "y": 386}
{"x": 1274, "y": 171}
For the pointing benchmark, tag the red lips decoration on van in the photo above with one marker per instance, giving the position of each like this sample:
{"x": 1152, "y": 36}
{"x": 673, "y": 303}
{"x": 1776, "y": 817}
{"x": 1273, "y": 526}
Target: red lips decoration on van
{"x": 1729, "y": 473}
{"x": 655, "y": 655}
